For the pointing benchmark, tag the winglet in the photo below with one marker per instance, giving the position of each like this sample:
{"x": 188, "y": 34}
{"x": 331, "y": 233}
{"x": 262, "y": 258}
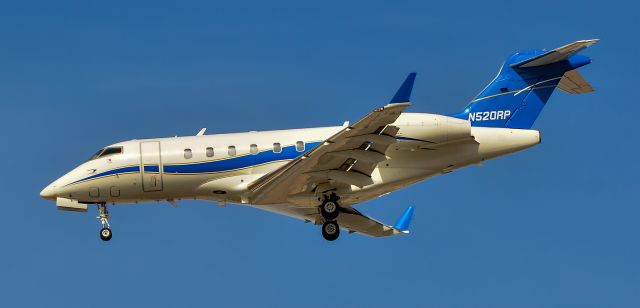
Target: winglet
{"x": 403, "y": 222}
{"x": 404, "y": 92}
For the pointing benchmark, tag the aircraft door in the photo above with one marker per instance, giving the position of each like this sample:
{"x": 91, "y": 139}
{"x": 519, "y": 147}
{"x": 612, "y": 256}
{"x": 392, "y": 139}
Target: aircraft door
{"x": 151, "y": 166}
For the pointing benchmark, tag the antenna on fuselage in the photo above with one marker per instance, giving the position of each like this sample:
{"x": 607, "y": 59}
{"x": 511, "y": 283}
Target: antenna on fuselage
{"x": 201, "y": 132}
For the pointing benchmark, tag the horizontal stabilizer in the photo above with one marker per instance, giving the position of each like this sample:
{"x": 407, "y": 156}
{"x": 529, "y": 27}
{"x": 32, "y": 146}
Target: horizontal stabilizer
{"x": 573, "y": 83}
{"x": 556, "y": 55}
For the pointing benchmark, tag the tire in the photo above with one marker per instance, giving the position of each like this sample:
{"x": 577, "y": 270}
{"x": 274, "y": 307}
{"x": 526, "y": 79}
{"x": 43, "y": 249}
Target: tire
{"x": 330, "y": 209}
{"x": 105, "y": 234}
{"x": 330, "y": 230}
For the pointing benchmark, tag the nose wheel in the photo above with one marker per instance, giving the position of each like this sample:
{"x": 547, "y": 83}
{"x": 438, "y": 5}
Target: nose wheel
{"x": 105, "y": 234}
{"x": 103, "y": 217}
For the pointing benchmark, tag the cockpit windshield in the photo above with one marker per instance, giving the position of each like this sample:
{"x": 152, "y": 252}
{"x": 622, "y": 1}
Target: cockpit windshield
{"x": 105, "y": 152}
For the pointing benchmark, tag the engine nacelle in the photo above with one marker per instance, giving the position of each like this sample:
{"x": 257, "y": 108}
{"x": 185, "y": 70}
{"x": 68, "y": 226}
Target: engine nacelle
{"x": 432, "y": 128}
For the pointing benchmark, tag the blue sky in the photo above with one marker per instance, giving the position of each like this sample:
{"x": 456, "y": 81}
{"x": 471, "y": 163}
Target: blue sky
{"x": 554, "y": 226}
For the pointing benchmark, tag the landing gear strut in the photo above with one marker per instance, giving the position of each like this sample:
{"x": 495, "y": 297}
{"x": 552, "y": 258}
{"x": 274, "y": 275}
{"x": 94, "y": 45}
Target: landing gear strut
{"x": 330, "y": 209}
{"x": 103, "y": 217}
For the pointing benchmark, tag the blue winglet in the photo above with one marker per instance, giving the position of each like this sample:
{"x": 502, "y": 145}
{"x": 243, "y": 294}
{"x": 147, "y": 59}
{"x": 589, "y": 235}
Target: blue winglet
{"x": 403, "y": 222}
{"x": 404, "y": 93}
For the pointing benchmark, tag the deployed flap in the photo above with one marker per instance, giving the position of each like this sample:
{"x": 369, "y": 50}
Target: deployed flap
{"x": 573, "y": 83}
{"x": 556, "y": 55}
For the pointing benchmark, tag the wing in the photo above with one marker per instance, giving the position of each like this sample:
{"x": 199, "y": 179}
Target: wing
{"x": 349, "y": 219}
{"x": 344, "y": 159}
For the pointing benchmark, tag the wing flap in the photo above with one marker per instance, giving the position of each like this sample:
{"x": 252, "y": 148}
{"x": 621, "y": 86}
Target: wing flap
{"x": 346, "y": 177}
{"x": 361, "y": 155}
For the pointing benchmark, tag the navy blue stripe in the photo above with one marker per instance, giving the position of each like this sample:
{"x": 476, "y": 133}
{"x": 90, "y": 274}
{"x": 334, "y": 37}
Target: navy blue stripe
{"x": 110, "y": 172}
{"x": 229, "y": 164}
{"x": 237, "y": 162}
{"x": 151, "y": 168}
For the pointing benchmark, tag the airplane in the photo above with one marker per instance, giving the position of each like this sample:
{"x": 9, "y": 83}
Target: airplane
{"x": 319, "y": 175}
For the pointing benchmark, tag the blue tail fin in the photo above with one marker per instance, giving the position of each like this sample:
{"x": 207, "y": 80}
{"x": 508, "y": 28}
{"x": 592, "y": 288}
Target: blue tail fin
{"x": 515, "y": 98}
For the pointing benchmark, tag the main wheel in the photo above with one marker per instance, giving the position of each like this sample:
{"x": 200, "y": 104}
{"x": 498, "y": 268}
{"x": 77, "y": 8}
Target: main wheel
{"x": 330, "y": 230}
{"x": 329, "y": 209}
{"x": 105, "y": 234}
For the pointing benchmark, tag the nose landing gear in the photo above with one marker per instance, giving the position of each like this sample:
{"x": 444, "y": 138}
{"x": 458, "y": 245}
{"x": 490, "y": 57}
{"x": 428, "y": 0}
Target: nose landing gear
{"x": 103, "y": 217}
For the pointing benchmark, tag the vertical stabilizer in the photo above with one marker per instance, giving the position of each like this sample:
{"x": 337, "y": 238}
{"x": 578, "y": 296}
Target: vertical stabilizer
{"x": 526, "y": 80}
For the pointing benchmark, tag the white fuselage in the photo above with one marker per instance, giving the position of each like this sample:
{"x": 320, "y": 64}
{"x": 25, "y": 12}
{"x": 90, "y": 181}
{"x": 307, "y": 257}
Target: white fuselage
{"x": 206, "y": 167}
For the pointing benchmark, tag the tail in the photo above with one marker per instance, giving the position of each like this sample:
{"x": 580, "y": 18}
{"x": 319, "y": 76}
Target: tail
{"x": 515, "y": 98}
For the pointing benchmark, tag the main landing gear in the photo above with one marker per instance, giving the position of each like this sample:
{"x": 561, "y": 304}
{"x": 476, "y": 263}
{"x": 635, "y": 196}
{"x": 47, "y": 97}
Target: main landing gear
{"x": 330, "y": 209}
{"x": 330, "y": 230}
{"x": 103, "y": 217}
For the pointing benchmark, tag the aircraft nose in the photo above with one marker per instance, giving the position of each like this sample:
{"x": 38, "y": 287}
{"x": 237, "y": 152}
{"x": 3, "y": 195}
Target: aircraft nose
{"x": 49, "y": 192}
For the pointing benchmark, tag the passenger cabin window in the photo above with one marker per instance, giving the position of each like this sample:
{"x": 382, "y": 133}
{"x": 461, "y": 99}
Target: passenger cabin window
{"x": 188, "y": 154}
{"x": 277, "y": 148}
{"x": 299, "y": 146}
{"x": 106, "y": 152}
{"x": 209, "y": 152}
{"x": 253, "y": 149}
{"x": 232, "y": 150}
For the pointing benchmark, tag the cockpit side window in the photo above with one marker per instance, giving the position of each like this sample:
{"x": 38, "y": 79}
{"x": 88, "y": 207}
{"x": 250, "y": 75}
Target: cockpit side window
{"x": 94, "y": 156}
{"x": 111, "y": 151}
{"x": 106, "y": 152}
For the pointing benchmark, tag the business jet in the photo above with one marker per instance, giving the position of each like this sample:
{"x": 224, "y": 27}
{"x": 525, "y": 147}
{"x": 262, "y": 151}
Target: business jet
{"x": 319, "y": 175}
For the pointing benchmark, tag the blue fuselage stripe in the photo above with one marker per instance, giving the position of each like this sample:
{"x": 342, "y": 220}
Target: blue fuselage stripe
{"x": 237, "y": 162}
{"x": 222, "y": 165}
{"x": 111, "y": 172}
{"x": 151, "y": 168}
